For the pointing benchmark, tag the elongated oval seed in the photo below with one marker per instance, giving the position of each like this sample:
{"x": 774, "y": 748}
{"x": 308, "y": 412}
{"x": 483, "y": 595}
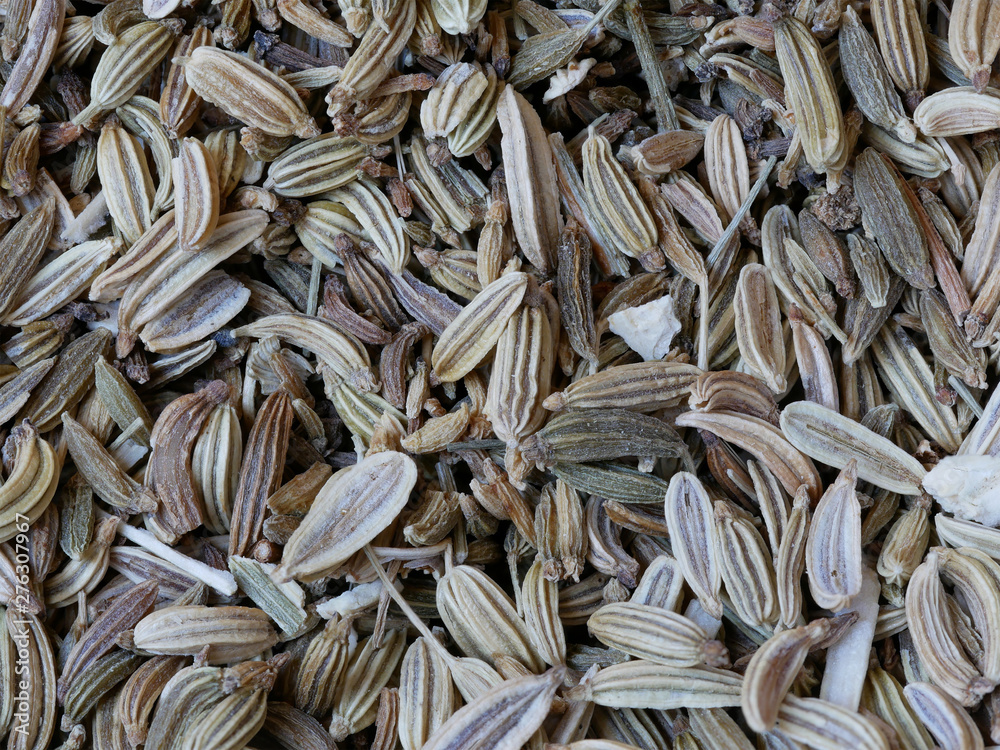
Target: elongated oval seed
{"x": 835, "y": 439}
{"x": 868, "y": 80}
{"x": 811, "y": 93}
{"x": 540, "y": 599}
{"x": 103, "y": 473}
{"x": 230, "y": 633}
{"x": 315, "y": 166}
{"x": 196, "y": 193}
{"x": 376, "y": 215}
{"x": 373, "y": 58}
{"x": 655, "y": 634}
{"x": 615, "y": 201}
{"x": 248, "y": 91}
{"x": 125, "y": 612}
{"x": 354, "y": 506}
{"x": 44, "y": 28}
{"x": 758, "y": 326}
{"x": 599, "y": 435}
{"x": 148, "y": 298}
{"x": 691, "y": 520}
{"x": 426, "y": 694}
{"x": 975, "y": 576}
{"x": 121, "y": 162}
{"x": 38, "y": 683}
{"x": 471, "y": 336}
{"x": 530, "y": 171}
{"x": 891, "y": 217}
{"x": 901, "y": 41}
{"x": 642, "y": 684}
{"x": 747, "y": 570}
{"x": 482, "y": 619}
{"x": 827, "y": 726}
{"x": 22, "y": 246}
{"x": 186, "y": 695}
{"x": 502, "y": 719}
{"x": 124, "y": 66}
{"x": 231, "y": 723}
{"x": 121, "y": 401}
{"x": 644, "y": 387}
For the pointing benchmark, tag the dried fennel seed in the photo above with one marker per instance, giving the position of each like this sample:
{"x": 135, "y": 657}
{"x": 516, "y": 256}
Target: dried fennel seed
{"x": 484, "y": 375}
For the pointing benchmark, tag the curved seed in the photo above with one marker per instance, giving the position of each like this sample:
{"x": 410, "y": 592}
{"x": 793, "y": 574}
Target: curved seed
{"x": 767, "y": 444}
{"x": 935, "y": 638}
{"x": 833, "y": 550}
{"x": 338, "y": 351}
{"x": 950, "y": 724}
{"x": 31, "y": 481}
{"x": 168, "y": 473}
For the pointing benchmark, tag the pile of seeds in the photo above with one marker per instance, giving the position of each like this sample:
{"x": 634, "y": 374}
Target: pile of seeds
{"x": 455, "y": 375}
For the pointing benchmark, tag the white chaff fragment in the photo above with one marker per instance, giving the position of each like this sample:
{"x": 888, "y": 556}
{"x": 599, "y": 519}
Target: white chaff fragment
{"x": 648, "y": 329}
{"x": 93, "y": 216}
{"x": 358, "y": 599}
{"x": 220, "y": 580}
{"x": 967, "y": 486}
{"x": 566, "y": 79}
{"x": 697, "y": 614}
{"x": 847, "y": 659}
